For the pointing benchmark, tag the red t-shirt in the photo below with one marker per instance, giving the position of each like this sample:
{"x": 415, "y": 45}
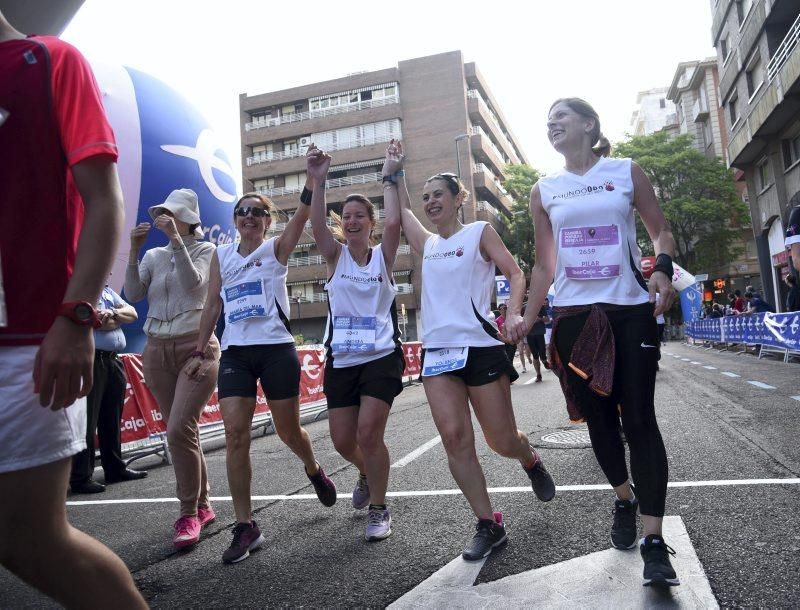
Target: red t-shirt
{"x": 738, "y": 304}
{"x": 55, "y": 120}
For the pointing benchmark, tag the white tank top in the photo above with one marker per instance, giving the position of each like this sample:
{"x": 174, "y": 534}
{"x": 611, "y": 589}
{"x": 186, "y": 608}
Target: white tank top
{"x": 254, "y": 296}
{"x": 362, "y": 317}
{"x": 456, "y": 291}
{"x": 597, "y": 257}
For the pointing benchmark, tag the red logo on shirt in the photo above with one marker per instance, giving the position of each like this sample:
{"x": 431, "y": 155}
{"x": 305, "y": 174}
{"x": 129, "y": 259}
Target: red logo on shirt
{"x": 380, "y": 277}
{"x": 258, "y": 262}
{"x": 460, "y": 251}
{"x": 609, "y": 185}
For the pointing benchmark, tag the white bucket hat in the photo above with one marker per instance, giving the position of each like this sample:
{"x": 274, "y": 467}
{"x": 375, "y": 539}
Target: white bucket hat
{"x": 184, "y": 206}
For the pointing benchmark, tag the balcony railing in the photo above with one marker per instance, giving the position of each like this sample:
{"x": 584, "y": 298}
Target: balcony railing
{"x": 785, "y": 49}
{"x": 478, "y": 130}
{"x": 321, "y": 112}
{"x": 305, "y": 261}
{"x": 329, "y": 184}
{"x": 480, "y": 167}
{"x": 301, "y": 150}
{"x": 488, "y": 207}
{"x": 475, "y": 94}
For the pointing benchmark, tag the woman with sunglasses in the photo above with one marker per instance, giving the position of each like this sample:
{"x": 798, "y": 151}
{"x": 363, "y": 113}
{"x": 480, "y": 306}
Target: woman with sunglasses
{"x": 248, "y": 282}
{"x": 364, "y": 359}
{"x": 464, "y": 357}
{"x": 174, "y": 278}
{"x": 604, "y": 344}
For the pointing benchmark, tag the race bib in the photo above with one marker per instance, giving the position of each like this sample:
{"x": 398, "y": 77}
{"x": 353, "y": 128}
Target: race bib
{"x": 444, "y": 360}
{"x": 352, "y": 335}
{"x": 245, "y": 301}
{"x": 591, "y": 253}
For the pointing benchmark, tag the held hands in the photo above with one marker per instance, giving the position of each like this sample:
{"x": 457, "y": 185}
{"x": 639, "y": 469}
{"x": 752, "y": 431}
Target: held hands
{"x": 660, "y": 283}
{"x": 394, "y": 158}
{"x": 317, "y": 164}
{"x": 514, "y": 329}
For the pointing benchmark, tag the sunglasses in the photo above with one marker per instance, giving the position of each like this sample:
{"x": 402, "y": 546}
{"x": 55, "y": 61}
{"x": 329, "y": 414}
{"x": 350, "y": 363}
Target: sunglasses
{"x": 447, "y": 176}
{"x": 255, "y": 212}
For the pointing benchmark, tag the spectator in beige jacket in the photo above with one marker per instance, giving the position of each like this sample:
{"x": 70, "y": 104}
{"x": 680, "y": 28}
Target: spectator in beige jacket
{"x": 174, "y": 278}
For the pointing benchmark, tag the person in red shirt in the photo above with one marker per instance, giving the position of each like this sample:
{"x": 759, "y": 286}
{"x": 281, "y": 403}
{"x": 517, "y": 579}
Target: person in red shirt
{"x": 60, "y": 219}
{"x": 738, "y": 301}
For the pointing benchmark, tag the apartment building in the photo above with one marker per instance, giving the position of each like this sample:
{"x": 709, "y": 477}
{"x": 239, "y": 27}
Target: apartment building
{"x": 653, "y": 111}
{"x": 698, "y": 113}
{"x": 758, "y": 58}
{"x": 448, "y": 119}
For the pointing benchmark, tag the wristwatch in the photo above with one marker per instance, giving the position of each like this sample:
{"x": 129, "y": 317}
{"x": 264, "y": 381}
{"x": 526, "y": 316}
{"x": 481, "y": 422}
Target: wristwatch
{"x": 80, "y": 312}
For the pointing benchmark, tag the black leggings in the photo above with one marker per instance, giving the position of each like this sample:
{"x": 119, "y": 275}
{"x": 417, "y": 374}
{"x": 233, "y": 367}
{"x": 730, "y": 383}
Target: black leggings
{"x": 537, "y": 346}
{"x": 632, "y": 397}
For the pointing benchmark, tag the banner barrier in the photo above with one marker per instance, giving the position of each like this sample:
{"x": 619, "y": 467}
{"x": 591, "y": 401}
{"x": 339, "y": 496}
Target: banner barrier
{"x": 778, "y": 331}
{"x": 142, "y": 427}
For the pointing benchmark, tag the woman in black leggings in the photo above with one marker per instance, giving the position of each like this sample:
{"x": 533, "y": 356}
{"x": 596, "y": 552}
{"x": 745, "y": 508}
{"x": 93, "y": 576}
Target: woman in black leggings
{"x": 605, "y": 344}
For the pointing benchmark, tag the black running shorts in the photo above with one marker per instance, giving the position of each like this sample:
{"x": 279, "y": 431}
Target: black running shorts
{"x": 484, "y": 365}
{"x": 381, "y": 379}
{"x": 276, "y": 366}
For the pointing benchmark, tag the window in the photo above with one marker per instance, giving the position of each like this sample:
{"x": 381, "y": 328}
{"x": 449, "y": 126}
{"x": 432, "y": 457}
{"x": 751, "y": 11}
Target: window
{"x": 290, "y": 109}
{"x": 704, "y": 137}
{"x": 266, "y": 183}
{"x": 662, "y": 103}
{"x": 294, "y": 180}
{"x": 723, "y": 48}
{"x": 742, "y": 8}
{"x": 754, "y": 75}
{"x": 791, "y": 151}
{"x": 763, "y": 177}
{"x": 263, "y": 151}
{"x": 733, "y": 111}
{"x": 290, "y": 146}
{"x": 708, "y": 133}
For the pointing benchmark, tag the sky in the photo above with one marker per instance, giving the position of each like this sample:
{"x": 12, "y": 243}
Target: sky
{"x": 530, "y": 53}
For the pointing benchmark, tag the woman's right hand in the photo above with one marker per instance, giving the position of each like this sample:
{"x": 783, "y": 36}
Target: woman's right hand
{"x": 394, "y": 158}
{"x": 195, "y": 368}
{"x": 139, "y": 235}
{"x": 317, "y": 164}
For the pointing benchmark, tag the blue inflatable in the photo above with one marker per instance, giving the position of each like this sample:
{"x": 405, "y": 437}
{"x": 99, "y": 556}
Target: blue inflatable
{"x": 164, "y": 144}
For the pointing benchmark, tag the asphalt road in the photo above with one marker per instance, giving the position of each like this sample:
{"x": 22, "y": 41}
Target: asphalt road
{"x": 716, "y": 427}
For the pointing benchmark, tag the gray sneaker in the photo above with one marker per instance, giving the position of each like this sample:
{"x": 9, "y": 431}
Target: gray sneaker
{"x": 379, "y": 525}
{"x": 361, "y": 493}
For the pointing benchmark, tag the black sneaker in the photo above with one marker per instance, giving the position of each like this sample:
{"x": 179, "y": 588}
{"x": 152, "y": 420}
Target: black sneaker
{"x": 541, "y": 481}
{"x": 488, "y": 536}
{"x": 325, "y": 488}
{"x": 658, "y": 570}
{"x": 623, "y": 531}
{"x": 246, "y": 537}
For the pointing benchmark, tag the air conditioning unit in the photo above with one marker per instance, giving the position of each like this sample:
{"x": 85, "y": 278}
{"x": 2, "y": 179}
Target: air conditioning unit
{"x": 304, "y": 142}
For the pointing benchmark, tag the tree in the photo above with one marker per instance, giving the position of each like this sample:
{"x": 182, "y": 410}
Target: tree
{"x": 519, "y": 238}
{"x": 697, "y": 194}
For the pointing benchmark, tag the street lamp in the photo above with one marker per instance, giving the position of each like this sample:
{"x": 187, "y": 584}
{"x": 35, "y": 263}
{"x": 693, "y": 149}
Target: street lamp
{"x": 298, "y": 298}
{"x": 458, "y": 139}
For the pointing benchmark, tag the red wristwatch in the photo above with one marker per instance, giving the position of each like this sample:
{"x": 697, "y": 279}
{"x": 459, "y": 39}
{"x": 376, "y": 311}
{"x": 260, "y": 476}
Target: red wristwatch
{"x": 80, "y": 312}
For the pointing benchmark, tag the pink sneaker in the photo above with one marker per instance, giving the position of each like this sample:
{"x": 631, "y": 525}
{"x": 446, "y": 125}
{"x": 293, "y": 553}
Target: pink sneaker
{"x": 187, "y": 532}
{"x": 206, "y": 515}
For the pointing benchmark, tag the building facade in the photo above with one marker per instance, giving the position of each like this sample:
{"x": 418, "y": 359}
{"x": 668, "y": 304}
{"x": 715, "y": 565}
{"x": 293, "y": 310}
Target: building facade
{"x": 758, "y": 58}
{"x": 699, "y": 114}
{"x": 652, "y": 113}
{"x": 448, "y": 120}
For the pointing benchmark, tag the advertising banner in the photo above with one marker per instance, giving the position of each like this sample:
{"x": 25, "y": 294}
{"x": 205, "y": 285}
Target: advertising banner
{"x": 778, "y": 330}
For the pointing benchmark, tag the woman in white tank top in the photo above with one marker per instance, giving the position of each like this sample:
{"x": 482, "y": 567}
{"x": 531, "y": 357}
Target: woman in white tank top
{"x": 464, "y": 360}
{"x": 248, "y": 281}
{"x": 364, "y": 362}
{"x": 605, "y": 345}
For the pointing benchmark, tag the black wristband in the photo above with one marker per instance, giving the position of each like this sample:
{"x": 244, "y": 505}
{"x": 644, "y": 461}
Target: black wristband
{"x": 664, "y": 264}
{"x": 390, "y": 179}
{"x": 305, "y": 196}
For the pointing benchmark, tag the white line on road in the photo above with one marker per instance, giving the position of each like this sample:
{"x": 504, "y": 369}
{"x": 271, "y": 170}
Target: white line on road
{"x": 695, "y": 362}
{"x": 530, "y": 381}
{"x": 761, "y": 385}
{"x": 727, "y": 374}
{"x": 447, "y": 492}
{"x": 710, "y": 368}
{"x": 797, "y": 398}
{"x": 685, "y": 359}
{"x": 417, "y": 452}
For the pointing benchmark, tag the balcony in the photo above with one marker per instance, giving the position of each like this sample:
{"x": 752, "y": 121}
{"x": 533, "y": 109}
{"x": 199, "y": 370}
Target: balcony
{"x": 301, "y": 151}
{"x": 487, "y": 185}
{"x": 329, "y": 184}
{"x": 700, "y": 110}
{"x": 322, "y": 112}
{"x": 784, "y": 50}
{"x": 479, "y": 111}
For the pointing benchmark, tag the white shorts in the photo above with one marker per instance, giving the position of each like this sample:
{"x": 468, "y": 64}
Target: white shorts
{"x": 32, "y": 435}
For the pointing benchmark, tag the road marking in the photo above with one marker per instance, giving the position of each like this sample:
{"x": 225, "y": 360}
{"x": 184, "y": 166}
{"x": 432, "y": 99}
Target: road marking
{"x": 446, "y": 492}
{"x": 761, "y": 385}
{"x": 797, "y": 398}
{"x": 727, "y": 374}
{"x": 685, "y": 359}
{"x": 608, "y": 575}
{"x": 710, "y": 368}
{"x": 530, "y": 381}
{"x": 417, "y": 452}
{"x": 695, "y": 362}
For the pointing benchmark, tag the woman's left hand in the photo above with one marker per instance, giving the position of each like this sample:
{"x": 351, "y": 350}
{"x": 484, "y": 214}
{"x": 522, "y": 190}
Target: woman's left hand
{"x": 166, "y": 225}
{"x": 394, "y": 158}
{"x": 514, "y": 329}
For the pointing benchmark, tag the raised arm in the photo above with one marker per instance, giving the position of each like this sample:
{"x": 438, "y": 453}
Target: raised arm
{"x": 317, "y": 164}
{"x": 645, "y": 201}
{"x": 493, "y": 249}
{"x": 391, "y": 206}
{"x": 137, "y": 278}
{"x": 416, "y": 234}
{"x": 208, "y": 319}
{"x": 545, "y": 265}
{"x": 294, "y": 229}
